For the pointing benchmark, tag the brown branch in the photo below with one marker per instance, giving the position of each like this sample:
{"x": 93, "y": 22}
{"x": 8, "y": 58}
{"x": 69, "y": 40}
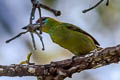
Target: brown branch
{"x": 36, "y": 4}
{"x": 62, "y": 69}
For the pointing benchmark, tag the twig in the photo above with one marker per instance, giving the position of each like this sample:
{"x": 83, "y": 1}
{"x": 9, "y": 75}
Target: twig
{"x": 36, "y": 3}
{"x": 40, "y": 17}
{"x": 61, "y": 69}
{"x": 40, "y": 40}
{"x": 32, "y": 28}
{"x": 32, "y": 16}
{"x": 16, "y": 36}
{"x": 55, "y": 12}
{"x": 86, "y": 10}
{"x": 33, "y": 40}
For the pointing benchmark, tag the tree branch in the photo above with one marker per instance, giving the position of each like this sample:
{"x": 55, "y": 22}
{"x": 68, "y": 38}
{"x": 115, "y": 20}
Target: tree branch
{"x": 62, "y": 69}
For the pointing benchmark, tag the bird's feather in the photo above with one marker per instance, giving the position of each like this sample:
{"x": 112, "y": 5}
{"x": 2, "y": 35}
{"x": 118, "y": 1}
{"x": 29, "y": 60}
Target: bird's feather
{"x": 75, "y": 28}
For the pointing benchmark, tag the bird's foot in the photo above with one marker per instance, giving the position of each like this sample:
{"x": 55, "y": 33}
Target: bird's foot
{"x": 28, "y": 60}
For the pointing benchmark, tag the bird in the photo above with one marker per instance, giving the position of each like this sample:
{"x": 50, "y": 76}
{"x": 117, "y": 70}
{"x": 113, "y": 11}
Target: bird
{"x": 69, "y": 36}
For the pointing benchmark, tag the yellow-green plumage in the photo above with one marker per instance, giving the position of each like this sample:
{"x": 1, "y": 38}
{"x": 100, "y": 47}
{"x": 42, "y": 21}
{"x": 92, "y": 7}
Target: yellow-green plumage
{"x": 69, "y": 36}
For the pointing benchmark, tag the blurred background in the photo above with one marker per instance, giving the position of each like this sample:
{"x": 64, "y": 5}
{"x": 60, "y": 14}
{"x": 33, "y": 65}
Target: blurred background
{"x": 102, "y": 23}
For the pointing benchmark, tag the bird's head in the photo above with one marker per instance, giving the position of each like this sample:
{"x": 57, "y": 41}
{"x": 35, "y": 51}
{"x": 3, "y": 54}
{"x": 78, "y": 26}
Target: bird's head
{"x": 48, "y": 23}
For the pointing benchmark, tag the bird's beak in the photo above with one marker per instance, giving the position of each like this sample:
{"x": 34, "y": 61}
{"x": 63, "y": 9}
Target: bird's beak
{"x": 25, "y": 27}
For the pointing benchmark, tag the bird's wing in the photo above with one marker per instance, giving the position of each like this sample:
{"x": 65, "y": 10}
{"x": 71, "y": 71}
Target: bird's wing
{"x": 75, "y": 28}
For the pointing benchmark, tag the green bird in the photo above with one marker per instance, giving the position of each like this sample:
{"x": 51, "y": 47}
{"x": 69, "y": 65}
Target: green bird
{"x": 69, "y": 36}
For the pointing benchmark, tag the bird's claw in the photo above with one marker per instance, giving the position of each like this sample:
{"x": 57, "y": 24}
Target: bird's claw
{"x": 28, "y": 60}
